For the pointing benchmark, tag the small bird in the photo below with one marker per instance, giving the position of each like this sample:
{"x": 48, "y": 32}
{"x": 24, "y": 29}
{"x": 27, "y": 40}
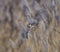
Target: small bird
{"x": 32, "y": 21}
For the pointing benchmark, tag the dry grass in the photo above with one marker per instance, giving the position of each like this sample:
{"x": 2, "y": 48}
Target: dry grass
{"x": 29, "y": 26}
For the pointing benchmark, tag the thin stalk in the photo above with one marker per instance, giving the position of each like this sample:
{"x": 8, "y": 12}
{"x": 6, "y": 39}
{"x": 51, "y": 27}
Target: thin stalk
{"x": 11, "y": 14}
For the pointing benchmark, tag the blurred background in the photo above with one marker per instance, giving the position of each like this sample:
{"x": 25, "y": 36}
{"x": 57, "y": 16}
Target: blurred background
{"x": 29, "y": 25}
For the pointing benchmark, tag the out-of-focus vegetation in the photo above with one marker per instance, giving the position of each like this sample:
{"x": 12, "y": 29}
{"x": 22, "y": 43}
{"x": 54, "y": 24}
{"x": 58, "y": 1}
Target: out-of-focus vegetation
{"x": 29, "y": 25}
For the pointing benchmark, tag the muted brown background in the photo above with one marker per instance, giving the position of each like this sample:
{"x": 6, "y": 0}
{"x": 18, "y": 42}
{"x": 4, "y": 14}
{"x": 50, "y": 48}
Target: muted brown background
{"x": 42, "y": 37}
